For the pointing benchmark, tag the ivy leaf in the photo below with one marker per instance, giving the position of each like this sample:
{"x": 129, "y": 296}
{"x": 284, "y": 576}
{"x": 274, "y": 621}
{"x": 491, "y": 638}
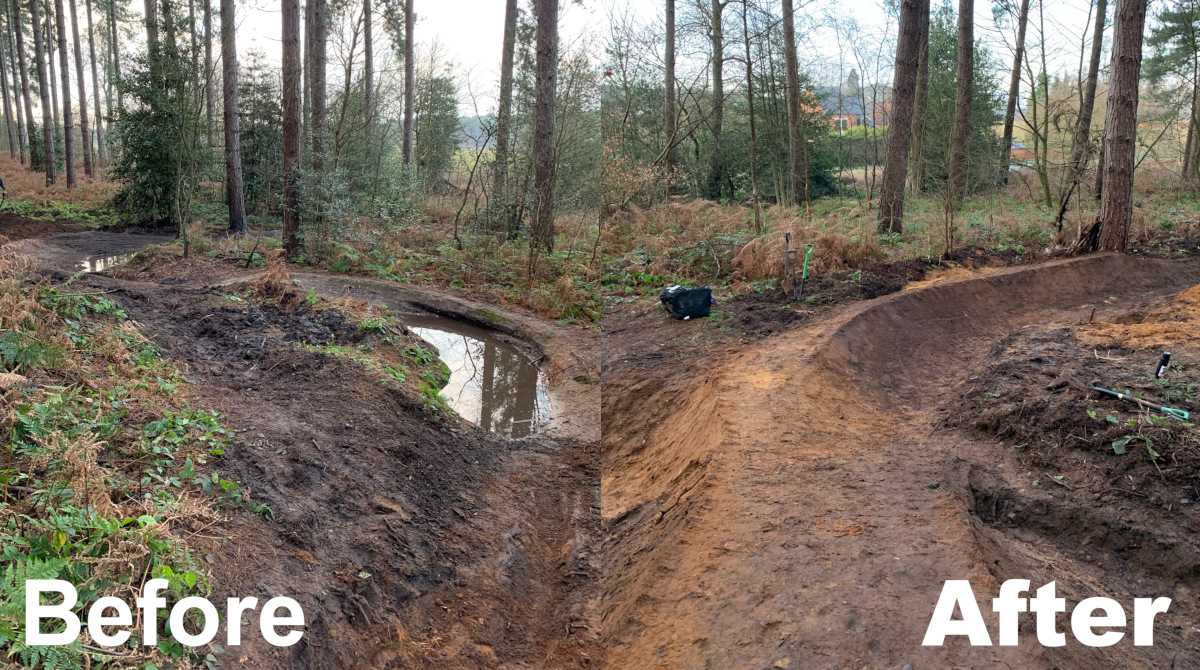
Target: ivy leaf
{"x": 1119, "y": 446}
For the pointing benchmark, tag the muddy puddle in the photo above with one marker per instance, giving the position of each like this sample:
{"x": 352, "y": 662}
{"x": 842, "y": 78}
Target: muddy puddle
{"x": 492, "y": 385}
{"x": 102, "y": 263}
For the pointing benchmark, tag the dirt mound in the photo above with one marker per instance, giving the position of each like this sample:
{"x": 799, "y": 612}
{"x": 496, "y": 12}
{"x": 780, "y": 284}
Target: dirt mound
{"x": 16, "y": 227}
{"x": 1166, "y": 324}
{"x": 409, "y": 541}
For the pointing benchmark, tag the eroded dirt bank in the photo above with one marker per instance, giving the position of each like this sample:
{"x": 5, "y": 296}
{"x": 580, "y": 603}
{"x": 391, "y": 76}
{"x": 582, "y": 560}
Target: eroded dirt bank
{"x": 800, "y": 501}
{"x": 409, "y": 541}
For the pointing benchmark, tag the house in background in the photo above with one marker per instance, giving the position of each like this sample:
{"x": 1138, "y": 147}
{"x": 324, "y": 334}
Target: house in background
{"x": 845, "y": 108}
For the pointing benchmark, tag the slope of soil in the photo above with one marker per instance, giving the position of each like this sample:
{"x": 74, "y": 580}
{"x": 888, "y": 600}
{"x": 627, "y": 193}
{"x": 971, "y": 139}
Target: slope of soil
{"x": 802, "y": 501}
{"x": 409, "y": 540}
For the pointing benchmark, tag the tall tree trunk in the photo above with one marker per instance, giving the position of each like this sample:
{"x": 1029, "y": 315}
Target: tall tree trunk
{"x": 48, "y": 35}
{"x": 101, "y": 150}
{"x": 750, "y": 107}
{"x": 85, "y": 129}
{"x": 669, "y": 129}
{"x": 797, "y": 172}
{"x": 1116, "y": 204}
{"x": 291, "y": 124}
{"x": 409, "y": 82}
{"x": 20, "y": 93}
{"x": 209, "y": 97}
{"x": 9, "y": 124}
{"x": 152, "y": 46}
{"x": 1014, "y": 90}
{"x": 716, "y": 157}
{"x": 904, "y": 90}
{"x": 504, "y": 115}
{"x": 30, "y": 129}
{"x": 545, "y": 123}
{"x": 921, "y": 104}
{"x": 964, "y": 86}
{"x": 1083, "y": 127}
{"x": 234, "y": 194}
{"x": 368, "y": 72}
{"x": 316, "y": 79}
{"x": 39, "y": 52}
{"x": 114, "y": 46}
{"x": 305, "y": 83}
{"x": 60, "y": 22}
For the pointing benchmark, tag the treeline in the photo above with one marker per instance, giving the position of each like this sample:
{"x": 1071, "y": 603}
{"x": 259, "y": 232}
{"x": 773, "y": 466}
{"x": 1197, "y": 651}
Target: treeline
{"x": 321, "y": 153}
{"x": 927, "y": 108}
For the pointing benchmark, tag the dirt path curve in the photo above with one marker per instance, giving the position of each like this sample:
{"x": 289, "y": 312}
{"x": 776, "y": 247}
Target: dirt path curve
{"x": 798, "y": 509}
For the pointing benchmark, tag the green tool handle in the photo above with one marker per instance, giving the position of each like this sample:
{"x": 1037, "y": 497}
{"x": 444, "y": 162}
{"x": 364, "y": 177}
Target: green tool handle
{"x": 804, "y": 275}
{"x": 1169, "y": 411}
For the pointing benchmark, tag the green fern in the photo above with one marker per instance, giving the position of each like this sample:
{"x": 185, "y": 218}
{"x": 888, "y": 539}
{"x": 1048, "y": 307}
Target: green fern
{"x": 19, "y": 352}
{"x": 12, "y": 615}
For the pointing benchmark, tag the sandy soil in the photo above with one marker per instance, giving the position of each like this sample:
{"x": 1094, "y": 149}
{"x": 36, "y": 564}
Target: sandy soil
{"x": 409, "y": 542}
{"x": 797, "y": 503}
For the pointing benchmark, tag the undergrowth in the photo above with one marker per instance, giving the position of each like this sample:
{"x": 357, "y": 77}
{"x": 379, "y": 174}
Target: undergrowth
{"x": 701, "y": 242}
{"x": 109, "y": 474}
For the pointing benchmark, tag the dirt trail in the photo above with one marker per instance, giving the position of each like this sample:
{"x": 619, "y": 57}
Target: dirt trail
{"x": 408, "y": 541}
{"x": 800, "y": 508}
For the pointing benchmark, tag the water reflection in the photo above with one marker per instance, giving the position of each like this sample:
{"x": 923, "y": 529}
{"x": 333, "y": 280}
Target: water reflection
{"x": 492, "y": 385}
{"x": 102, "y": 263}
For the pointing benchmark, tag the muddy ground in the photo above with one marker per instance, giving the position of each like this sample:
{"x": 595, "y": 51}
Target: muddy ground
{"x": 796, "y": 500}
{"x": 408, "y": 539}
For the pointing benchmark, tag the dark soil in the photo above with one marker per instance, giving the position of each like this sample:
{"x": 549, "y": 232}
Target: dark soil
{"x": 16, "y": 227}
{"x": 1070, "y": 439}
{"x": 410, "y": 539}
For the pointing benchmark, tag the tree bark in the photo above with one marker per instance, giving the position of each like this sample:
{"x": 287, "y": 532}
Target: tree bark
{"x": 114, "y": 46}
{"x": 30, "y": 130}
{"x": 797, "y": 172}
{"x": 60, "y": 21}
{"x": 921, "y": 104}
{"x": 39, "y": 52}
{"x": 291, "y": 124}
{"x": 368, "y": 71}
{"x": 545, "y": 122}
{"x": 669, "y": 129}
{"x": 1083, "y": 127}
{"x": 318, "y": 61}
{"x": 1116, "y": 204}
{"x": 963, "y": 88}
{"x": 9, "y": 124}
{"x": 48, "y": 35}
{"x": 716, "y": 157}
{"x": 750, "y": 106}
{"x": 101, "y": 150}
{"x": 234, "y": 193}
{"x": 504, "y": 115}
{"x": 209, "y": 97}
{"x": 22, "y": 98}
{"x": 85, "y": 129}
{"x": 409, "y": 83}
{"x": 1014, "y": 90}
{"x": 151, "y": 18}
{"x": 904, "y": 85}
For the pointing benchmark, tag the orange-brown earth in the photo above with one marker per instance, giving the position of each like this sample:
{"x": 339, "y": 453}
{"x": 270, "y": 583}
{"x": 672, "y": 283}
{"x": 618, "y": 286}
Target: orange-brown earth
{"x": 798, "y": 502}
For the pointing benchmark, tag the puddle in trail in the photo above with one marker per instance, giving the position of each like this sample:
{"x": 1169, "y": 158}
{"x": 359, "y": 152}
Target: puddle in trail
{"x": 102, "y": 263}
{"x": 492, "y": 385}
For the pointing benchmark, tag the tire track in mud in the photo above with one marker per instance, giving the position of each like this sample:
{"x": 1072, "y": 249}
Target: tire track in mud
{"x": 829, "y": 514}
